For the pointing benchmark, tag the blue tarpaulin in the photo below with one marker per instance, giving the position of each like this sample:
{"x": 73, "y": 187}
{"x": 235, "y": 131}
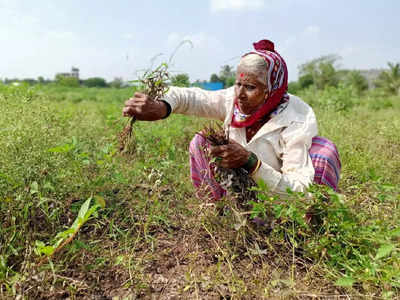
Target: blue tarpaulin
{"x": 211, "y": 86}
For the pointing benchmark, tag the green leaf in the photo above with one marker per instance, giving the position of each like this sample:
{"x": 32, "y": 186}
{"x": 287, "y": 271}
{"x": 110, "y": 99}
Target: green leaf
{"x": 62, "y": 149}
{"x": 395, "y": 233}
{"x": 65, "y": 234}
{"x": 384, "y": 250}
{"x": 34, "y": 187}
{"x": 90, "y": 212}
{"x": 345, "y": 281}
{"x": 100, "y": 201}
{"x": 47, "y": 250}
{"x": 84, "y": 209}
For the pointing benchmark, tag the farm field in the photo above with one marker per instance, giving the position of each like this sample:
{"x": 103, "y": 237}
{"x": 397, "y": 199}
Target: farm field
{"x": 148, "y": 236}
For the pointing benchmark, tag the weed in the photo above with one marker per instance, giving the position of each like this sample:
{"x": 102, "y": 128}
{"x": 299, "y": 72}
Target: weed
{"x": 154, "y": 238}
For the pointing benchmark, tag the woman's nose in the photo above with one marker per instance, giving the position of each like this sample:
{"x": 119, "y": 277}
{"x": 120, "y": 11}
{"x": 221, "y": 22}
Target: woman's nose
{"x": 241, "y": 91}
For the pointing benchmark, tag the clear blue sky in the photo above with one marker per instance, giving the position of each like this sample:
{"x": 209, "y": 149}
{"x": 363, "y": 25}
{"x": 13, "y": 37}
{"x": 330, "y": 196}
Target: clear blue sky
{"x": 118, "y": 38}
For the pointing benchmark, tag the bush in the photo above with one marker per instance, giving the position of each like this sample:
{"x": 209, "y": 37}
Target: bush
{"x": 320, "y": 72}
{"x": 389, "y": 80}
{"x": 67, "y": 81}
{"x": 355, "y": 79}
{"x": 117, "y": 83}
{"x": 341, "y": 98}
{"x": 181, "y": 80}
{"x": 95, "y": 82}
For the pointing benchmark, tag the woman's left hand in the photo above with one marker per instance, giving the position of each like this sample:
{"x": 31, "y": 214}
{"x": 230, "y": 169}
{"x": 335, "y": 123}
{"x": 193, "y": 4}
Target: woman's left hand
{"x": 232, "y": 155}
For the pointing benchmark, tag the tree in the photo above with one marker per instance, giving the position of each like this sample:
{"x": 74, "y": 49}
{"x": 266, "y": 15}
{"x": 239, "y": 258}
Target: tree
{"x": 321, "y": 70}
{"x": 390, "y": 80}
{"x": 227, "y": 75}
{"x": 29, "y": 81}
{"x": 214, "y": 78}
{"x": 305, "y": 81}
{"x": 41, "y": 80}
{"x": 95, "y": 82}
{"x": 294, "y": 87}
{"x": 181, "y": 80}
{"x": 356, "y": 80}
{"x": 117, "y": 82}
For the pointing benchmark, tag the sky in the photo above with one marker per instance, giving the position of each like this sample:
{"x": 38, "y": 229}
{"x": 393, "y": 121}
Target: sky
{"x": 119, "y": 38}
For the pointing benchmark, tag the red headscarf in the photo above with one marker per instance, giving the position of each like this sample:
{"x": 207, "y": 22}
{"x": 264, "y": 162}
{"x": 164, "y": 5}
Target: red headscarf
{"x": 277, "y": 82}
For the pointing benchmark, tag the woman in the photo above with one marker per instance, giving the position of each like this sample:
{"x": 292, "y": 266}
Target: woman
{"x": 273, "y": 135}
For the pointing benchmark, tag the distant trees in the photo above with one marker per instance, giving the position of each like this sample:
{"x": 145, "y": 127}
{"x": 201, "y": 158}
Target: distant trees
{"x": 227, "y": 75}
{"x": 389, "y": 80}
{"x": 117, "y": 83}
{"x": 214, "y": 78}
{"x": 95, "y": 82}
{"x": 181, "y": 80}
{"x": 67, "y": 81}
{"x": 320, "y": 72}
{"x": 356, "y": 80}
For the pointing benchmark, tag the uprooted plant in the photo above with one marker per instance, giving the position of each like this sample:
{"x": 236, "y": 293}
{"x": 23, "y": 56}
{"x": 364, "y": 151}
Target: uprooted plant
{"x": 237, "y": 181}
{"x": 155, "y": 83}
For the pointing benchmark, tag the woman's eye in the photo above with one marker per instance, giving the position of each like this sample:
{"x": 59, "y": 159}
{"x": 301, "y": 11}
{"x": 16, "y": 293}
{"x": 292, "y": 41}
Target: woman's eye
{"x": 250, "y": 87}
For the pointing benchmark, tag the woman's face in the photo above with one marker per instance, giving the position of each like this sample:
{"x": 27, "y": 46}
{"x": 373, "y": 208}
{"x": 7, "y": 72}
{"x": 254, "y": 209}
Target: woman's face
{"x": 250, "y": 92}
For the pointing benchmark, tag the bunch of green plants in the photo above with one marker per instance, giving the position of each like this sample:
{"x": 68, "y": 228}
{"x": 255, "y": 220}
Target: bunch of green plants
{"x": 319, "y": 225}
{"x": 339, "y": 99}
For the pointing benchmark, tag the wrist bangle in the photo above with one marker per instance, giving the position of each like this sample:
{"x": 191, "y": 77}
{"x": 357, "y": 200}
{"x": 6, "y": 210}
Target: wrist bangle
{"x": 251, "y": 162}
{"x": 258, "y": 165}
{"x": 169, "y": 109}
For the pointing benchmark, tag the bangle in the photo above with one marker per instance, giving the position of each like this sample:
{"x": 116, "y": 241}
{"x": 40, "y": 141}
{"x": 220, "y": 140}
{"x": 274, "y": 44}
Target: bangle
{"x": 251, "y": 162}
{"x": 258, "y": 165}
{"x": 169, "y": 109}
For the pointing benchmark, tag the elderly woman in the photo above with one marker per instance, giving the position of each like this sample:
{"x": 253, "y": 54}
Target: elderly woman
{"x": 272, "y": 134}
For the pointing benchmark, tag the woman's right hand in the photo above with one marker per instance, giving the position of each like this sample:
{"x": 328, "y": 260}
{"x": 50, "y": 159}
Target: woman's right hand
{"x": 143, "y": 108}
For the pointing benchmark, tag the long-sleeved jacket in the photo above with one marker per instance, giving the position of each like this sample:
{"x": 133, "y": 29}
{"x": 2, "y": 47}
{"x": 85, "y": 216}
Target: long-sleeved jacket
{"x": 282, "y": 144}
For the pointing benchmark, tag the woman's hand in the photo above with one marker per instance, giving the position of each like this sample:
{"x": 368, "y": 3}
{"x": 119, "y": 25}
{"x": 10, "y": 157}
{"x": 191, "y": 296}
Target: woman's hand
{"x": 144, "y": 108}
{"x": 230, "y": 156}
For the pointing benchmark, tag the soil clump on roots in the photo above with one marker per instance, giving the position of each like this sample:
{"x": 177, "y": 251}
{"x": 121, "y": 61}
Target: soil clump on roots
{"x": 236, "y": 182}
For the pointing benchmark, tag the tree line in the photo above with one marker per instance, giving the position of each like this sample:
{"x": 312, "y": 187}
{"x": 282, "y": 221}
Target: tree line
{"x": 319, "y": 73}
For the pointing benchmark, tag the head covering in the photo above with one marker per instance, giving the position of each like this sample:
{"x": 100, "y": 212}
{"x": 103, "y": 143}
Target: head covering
{"x": 277, "y": 82}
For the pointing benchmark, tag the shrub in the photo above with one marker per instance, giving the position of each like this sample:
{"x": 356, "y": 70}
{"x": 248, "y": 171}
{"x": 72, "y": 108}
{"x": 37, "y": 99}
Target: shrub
{"x": 95, "y": 82}
{"x": 67, "y": 81}
{"x": 355, "y": 79}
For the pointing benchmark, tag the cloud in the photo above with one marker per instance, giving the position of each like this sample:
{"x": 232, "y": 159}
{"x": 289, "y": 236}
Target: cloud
{"x": 235, "y": 5}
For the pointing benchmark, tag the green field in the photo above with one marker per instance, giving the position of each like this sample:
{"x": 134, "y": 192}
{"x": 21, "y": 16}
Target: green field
{"x": 149, "y": 236}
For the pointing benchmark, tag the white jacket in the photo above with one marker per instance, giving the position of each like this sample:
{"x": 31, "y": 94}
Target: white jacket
{"x": 282, "y": 144}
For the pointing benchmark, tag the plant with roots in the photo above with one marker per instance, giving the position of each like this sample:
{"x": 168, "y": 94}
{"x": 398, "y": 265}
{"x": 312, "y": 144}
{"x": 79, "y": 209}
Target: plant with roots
{"x": 237, "y": 181}
{"x": 155, "y": 83}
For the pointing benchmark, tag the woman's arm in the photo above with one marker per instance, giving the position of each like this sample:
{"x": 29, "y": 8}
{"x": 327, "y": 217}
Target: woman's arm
{"x": 189, "y": 101}
{"x": 199, "y": 102}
